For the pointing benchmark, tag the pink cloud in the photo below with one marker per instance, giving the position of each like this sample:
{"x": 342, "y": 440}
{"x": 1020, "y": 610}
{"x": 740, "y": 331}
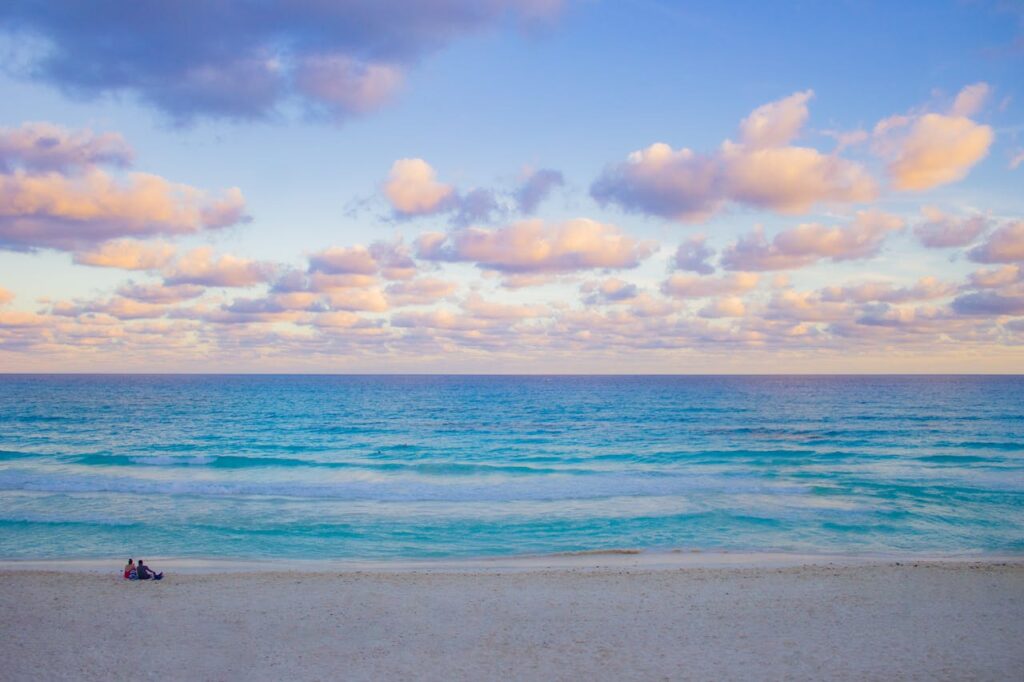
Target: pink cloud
{"x": 941, "y": 230}
{"x": 345, "y": 86}
{"x": 413, "y": 189}
{"x": 996, "y": 278}
{"x": 118, "y": 308}
{"x": 729, "y": 306}
{"x": 43, "y": 147}
{"x": 369, "y": 300}
{"x": 762, "y": 170}
{"x": 534, "y": 246}
{"x": 391, "y": 260}
{"x": 925, "y": 288}
{"x": 160, "y": 293}
{"x": 54, "y": 194}
{"x": 810, "y": 242}
{"x": 127, "y": 254}
{"x": 691, "y": 286}
{"x": 476, "y": 306}
{"x": 928, "y": 150}
{"x": 610, "y": 290}
{"x": 423, "y": 291}
{"x": 354, "y": 260}
{"x": 199, "y": 266}
{"x": 1005, "y": 245}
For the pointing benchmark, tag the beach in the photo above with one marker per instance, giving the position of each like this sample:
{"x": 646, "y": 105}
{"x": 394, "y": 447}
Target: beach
{"x": 588, "y": 617}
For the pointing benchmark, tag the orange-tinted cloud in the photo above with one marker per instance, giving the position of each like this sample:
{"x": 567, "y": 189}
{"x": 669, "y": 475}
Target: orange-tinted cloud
{"x": 931, "y": 149}
{"x": 691, "y": 286}
{"x": 6, "y": 296}
{"x": 200, "y": 266}
{"x": 810, "y": 242}
{"x": 127, "y": 254}
{"x": 762, "y": 170}
{"x": 413, "y": 189}
{"x": 1005, "y": 245}
{"x": 58, "y": 196}
{"x": 534, "y": 246}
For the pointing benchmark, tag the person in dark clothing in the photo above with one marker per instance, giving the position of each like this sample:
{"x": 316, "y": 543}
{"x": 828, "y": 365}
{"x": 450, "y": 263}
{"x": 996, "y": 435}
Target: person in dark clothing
{"x": 146, "y": 573}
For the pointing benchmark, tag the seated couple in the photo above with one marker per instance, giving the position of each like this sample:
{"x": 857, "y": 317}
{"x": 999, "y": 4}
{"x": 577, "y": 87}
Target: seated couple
{"x": 140, "y": 572}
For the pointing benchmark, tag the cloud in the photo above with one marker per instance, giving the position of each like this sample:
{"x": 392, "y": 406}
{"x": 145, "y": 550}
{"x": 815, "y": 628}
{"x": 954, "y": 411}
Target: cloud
{"x": 422, "y": 291}
{"x": 928, "y": 150}
{"x": 54, "y": 195}
{"x": 941, "y": 231}
{"x": 480, "y": 308}
{"x": 119, "y": 308}
{"x": 534, "y": 246}
{"x": 6, "y": 296}
{"x": 925, "y": 288}
{"x": 413, "y": 189}
{"x": 127, "y": 254}
{"x": 355, "y": 260}
{"x": 354, "y": 299}
{"x": 693, "y": 254}
{"x": 391, "y": 260}
{"x": 160, "y": 293}
{"x": 762, "y": 170}
{"x": 810, "y": 242}
{"x": 611, "y": 290}
{"x": 536, "y": 188}
{"x": 971, "y": 99}
{"x": 45, "y": 147}
{"x": 730, "y": 306}
{"x": 996, "y": 278}
{"x": 691, "y": 286}
{"x": 344, "y": 86}
{"x": 989, "y": 303}
{"x": 239, "y": 59}
{"x": 1005, "y": 245}
{"x": 1016, "y": 159}
{"x": 199, "y": 266}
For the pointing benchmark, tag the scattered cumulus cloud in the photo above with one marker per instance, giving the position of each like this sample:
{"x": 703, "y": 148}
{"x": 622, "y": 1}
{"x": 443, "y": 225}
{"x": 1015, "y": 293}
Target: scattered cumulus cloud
{"x": 940, "y": 230}
{"x": 763, "y": 170}
{"x": 1004, "y": 245}
{"x": 694, "y": 254}
{"x": 200, "y": 266}
{"x": 931, "y": 149}
{"x": 536, "y": 246}
{"x": 536, "y": 187}
{"x": 810, "y": 242}
{"x": 127, "y": 254}
{"x": 55, "y": 193}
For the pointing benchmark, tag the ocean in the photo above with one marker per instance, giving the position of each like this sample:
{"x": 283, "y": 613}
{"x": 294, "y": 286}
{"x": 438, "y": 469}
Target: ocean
{"x": 413, "y": 467}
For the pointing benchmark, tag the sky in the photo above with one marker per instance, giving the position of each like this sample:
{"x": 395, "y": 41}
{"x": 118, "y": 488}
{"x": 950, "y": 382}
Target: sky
{"x": 489, "y": 186}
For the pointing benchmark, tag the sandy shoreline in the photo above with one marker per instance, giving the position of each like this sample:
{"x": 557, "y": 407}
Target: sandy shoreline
{"x": 861, "y": 619}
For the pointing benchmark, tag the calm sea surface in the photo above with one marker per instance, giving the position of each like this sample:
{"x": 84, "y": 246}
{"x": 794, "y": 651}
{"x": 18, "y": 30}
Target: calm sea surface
{"x": 443, "y": 466}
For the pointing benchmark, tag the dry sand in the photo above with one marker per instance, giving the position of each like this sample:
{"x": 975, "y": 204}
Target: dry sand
{"x": 858, "y": 621}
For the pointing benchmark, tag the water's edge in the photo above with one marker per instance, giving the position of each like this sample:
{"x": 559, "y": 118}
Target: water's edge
{"x": 573, "y": 561}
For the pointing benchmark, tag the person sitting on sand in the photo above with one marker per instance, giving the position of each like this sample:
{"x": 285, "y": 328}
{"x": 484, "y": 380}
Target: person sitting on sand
{"x": 146, "y": 573}
{"x": 129, "y": 571}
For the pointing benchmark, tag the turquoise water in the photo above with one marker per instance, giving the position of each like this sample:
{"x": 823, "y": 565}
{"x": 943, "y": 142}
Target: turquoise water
{"x": 377, "y": 467}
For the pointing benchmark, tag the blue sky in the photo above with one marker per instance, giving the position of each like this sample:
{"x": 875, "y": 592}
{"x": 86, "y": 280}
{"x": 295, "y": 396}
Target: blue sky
{"x": 570, "y": 87}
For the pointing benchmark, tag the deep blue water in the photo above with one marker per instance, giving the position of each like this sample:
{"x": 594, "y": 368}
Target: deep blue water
{"x": 440, "y": 466}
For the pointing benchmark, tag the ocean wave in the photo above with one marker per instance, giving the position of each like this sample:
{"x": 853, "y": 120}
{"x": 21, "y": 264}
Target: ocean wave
{"x": 548, "y": 488}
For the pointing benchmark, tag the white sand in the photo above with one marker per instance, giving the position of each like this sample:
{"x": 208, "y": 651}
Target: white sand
{"x": 853, "y": 620}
